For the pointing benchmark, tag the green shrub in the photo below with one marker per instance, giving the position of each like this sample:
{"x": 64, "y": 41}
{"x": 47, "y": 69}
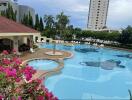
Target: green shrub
{"x": 35, "y": 46}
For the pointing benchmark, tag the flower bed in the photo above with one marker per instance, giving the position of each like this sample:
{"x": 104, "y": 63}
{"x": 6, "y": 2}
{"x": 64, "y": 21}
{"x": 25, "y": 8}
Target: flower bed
{"x": 16, "y": 83}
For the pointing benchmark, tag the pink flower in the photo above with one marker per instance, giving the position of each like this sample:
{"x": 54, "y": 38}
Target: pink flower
{"x": 17, "y": 61}
{"x": 18, "y": 79}
{"x": 28, "y": 72}
{"x": 28, "y": 76}
{"x": 18, "y": 90}
{"x": 1, "y": 68}
{"x": 10, "y": 72}
{"x": 40, "y": 98}
{"x": 6, "y": 61}
{"x": 55, "y": 98}
{"x": 13, "y": 72}
{"x": 14, "y": 50}
{"x": 5, "y": 52}
{"x": 39, "y": 81}
{"x": 1, "y": 97}
{"x": 19, "y": 98}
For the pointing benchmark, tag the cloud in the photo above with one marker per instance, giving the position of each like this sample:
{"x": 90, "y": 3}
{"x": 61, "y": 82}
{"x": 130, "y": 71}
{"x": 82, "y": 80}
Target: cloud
{"x": 119, "y": 14}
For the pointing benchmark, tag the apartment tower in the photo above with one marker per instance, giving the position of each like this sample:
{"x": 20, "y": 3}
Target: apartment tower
{"x": 97, "y": 17}
{"x": 20, "y": 9}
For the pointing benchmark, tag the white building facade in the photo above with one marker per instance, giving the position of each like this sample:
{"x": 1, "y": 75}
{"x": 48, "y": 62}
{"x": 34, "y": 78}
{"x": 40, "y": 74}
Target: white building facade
{"x": 98, "y": 10}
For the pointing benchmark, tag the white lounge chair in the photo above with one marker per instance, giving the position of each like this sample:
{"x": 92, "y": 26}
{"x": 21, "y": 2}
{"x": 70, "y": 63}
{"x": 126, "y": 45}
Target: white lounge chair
{"x": 42, "y": 41}
{"x": 102, "y": 45}
{"x": 38, "y": 41}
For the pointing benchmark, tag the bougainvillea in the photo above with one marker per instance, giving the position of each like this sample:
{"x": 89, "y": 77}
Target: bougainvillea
{"x": 16, "y": 80}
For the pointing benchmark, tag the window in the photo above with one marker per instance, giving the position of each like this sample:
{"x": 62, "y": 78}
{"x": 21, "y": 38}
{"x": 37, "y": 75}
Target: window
{"x": 5, "y": 4}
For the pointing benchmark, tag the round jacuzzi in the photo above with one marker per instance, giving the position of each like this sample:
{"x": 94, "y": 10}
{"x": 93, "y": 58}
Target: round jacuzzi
{"x": 42, "y": 64}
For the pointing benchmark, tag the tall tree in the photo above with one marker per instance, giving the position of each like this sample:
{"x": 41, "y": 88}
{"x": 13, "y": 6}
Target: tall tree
{"x": 9, "y": 13}
{"x": 49, "y": 21}
{"x": 62, "y": 21}
{"x": 77, "y": 33}
{"x": 37, "y": 22}
{"x": 30, "y": 20}
{"x": 27, "y": 20}
{"x": 41, "y": 24}
{"x": 126, "y": 36}
{"x": 49, "y": 30}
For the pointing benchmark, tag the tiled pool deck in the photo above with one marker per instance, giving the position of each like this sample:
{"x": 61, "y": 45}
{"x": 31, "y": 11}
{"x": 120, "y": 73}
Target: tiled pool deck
{"x": 40, "y": 54}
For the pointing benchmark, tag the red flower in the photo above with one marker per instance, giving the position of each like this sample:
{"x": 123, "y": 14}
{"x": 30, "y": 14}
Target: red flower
{"x": 5, "y": 52}
{"x": 17, "y": 61}
{"x": 18, "y": 79}
{"x": 1, "y": 97}
{"x": 14, "y": 50}
{"x": 1, "y": 68}
{"x": 40, "y": 98}
{"x": 6, "y": 61}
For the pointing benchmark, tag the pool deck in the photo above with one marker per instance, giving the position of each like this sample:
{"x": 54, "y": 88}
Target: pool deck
{"x": 41, "y": 54}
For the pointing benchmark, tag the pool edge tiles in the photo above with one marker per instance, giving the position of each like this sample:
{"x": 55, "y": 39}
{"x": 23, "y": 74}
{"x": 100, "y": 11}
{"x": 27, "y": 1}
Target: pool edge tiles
{"x": 43, "y": 64}
{"x": 45, "y": 73}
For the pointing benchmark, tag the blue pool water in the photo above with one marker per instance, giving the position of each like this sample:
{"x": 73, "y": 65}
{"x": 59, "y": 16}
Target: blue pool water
{"x": 92, "y": 75}
{"x": 43, "y": 64}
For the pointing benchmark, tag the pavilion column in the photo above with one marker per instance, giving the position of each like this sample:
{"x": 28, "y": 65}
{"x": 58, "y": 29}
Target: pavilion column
{"x": 31, "y": 41}
{"x": 25, "y": 39}
{"x": 15, "y": 43}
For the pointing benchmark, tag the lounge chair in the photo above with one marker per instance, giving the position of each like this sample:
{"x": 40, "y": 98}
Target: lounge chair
{"x": 102, "y": 45}
{"x": 42, "y": 41}
{"x": 38, "y": 41}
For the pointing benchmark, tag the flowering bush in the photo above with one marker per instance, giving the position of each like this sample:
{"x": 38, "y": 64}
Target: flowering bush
{"x": 12, "y": 81}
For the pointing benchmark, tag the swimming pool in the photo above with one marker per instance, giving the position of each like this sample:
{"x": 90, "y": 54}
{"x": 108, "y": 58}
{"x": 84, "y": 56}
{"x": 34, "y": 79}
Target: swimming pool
{"x": 97, "y": 73}
{"x": 42, "y": 64}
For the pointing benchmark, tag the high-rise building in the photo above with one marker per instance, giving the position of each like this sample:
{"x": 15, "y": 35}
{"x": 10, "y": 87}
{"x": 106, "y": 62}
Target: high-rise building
{"x": 15, "y": 6}
{"x": 25, "y": 10}
{"x": 98, "y": 10}
{"x": 20, "y": 10}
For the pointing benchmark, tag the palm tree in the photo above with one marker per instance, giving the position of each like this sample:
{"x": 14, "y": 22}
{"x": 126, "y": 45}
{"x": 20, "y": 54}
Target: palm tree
{"x": 62, "y": 21}
{"x": 50, "y": 25}
{"x": 49, "y": 21}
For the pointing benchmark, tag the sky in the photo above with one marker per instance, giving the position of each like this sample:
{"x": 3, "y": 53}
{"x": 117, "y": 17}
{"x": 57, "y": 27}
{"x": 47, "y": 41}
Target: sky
{"x": 119, "y": 14}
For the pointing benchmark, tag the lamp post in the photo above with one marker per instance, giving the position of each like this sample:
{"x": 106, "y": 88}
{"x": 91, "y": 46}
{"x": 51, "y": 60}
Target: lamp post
{"x": 54, "y": 44}
{"x": 55, "y": 38}
{"x": 54, "y": 47}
